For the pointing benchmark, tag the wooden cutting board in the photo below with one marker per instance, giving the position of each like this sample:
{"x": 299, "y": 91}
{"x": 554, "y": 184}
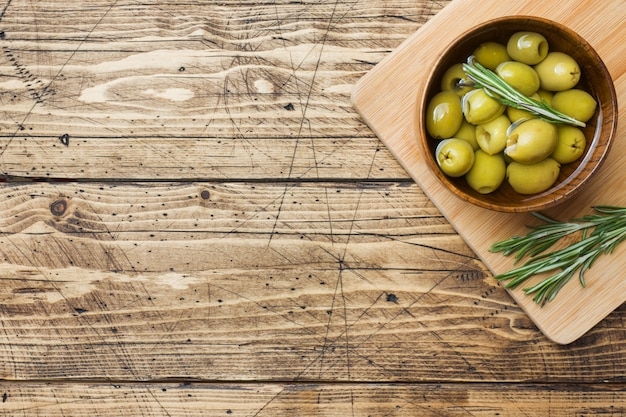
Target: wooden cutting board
{"x": 386, "y": 99}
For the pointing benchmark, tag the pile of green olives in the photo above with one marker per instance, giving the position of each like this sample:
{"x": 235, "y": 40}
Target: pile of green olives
{"x": 487, "y": 142}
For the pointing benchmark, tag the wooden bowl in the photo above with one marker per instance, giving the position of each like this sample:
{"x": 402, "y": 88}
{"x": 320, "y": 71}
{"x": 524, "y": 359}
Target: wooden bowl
{"x": 599, "y": 131}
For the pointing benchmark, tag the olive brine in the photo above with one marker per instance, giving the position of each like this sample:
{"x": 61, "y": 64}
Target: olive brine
{"x": 488, "y": 138}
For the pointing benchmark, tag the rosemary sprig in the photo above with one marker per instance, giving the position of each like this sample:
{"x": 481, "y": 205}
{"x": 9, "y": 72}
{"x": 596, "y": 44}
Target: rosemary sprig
{"x": 599, "y": 234}
{"x": 497, "y": 88}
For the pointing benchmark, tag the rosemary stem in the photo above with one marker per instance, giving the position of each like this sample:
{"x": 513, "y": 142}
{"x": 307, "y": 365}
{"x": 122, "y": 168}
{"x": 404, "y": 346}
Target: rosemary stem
{"x": 600, "y": 235}
{"x": 497, "y": 88}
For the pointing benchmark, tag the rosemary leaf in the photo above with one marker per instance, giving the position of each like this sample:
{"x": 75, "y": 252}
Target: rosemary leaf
{"x": 497, "y": 88}
{"x": 600, "y": 234}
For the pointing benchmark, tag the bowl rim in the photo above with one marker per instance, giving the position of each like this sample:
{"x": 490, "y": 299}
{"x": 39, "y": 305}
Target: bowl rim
{"x": 546, "y": 199}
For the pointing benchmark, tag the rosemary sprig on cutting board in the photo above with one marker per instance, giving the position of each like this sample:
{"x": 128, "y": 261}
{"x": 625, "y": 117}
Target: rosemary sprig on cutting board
{"x": 600, "y": 234}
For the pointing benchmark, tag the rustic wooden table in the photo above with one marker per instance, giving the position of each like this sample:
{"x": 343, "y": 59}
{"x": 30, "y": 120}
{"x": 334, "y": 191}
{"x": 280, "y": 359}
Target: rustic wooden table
{"x": 196, "y": 222}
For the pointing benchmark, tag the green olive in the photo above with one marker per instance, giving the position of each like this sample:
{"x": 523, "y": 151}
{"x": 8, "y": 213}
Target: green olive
{"x": 531, "y": 141}
{"x": 532, "y": 178}
{"x": 544, "y": 95}
{"x": 520, "y": 76}
{"x": 491, "y": 136}
{"x": 455, "y": 157}
{"x": 515, "y": 114}
{"x": 487, "y": 173}
{"x": 571, "y": 144}
{"x": 491, "y": 54}
{"x": 467, "y": 132}
{"x": 558, "y": 72}
{"x": 455, "y": 80}
{"x": 443, "y": 115}
{"x": 479, "y": 108}
{"x": 576, "y": 103}
{"x": 527, "y": 47}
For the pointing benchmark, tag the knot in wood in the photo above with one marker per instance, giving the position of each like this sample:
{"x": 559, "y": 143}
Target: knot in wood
{"x": 58, "y": 207}
{"x": 205, "y": 194}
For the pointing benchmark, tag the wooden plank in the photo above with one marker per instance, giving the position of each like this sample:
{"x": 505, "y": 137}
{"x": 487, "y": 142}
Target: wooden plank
{"x": 270, "y": 282}
{"x": 218, "y": 159}
{"x": 285, "y": 400}
{"x": 199, "y": 90}
{"x": 389, "y": 108}
{"x": 118, "y": 295}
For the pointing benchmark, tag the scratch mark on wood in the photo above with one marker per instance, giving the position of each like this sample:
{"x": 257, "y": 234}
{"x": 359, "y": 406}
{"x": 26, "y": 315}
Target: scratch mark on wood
{"x": 47, "y": 89}
{"x": 4, "y": 10}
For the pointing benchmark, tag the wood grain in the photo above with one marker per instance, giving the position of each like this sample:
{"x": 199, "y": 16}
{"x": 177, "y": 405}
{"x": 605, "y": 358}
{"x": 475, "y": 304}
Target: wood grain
{"x": 283, "y": 400}
{"x": 223, "y": 281}
{"x": 194, "y": 220}
{"x": 193, "y": 89}
{"x": 390, "y": 111}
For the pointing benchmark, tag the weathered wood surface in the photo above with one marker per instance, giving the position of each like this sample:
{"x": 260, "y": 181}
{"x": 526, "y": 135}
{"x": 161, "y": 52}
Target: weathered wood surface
{"x": 287, "y": 400}
{"x": 193, "y": 89}
{"x": 234, "y": 240}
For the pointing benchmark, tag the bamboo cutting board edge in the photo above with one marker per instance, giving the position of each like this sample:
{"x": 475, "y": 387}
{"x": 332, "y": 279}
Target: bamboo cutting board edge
{"x": 386, "y": 100}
